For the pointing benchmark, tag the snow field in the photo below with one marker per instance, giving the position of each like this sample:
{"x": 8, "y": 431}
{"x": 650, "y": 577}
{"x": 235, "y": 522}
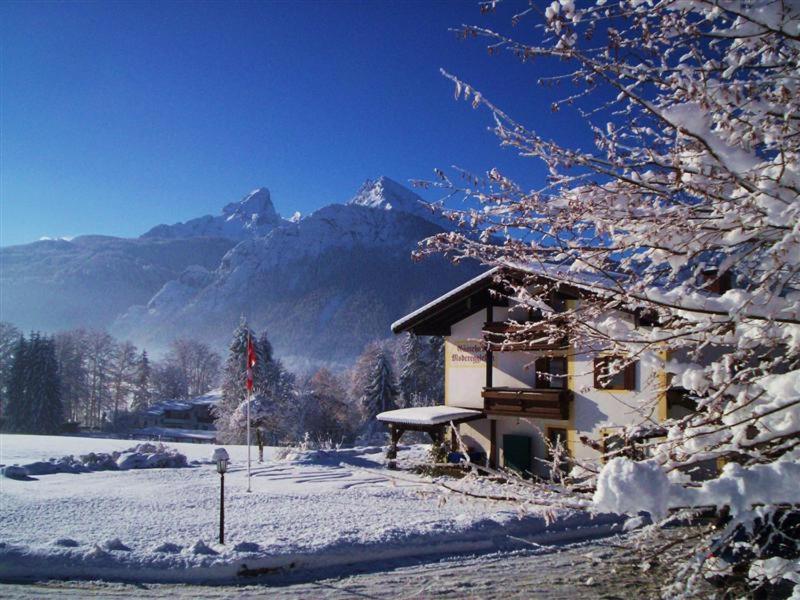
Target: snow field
{"x": 311, "y": 510}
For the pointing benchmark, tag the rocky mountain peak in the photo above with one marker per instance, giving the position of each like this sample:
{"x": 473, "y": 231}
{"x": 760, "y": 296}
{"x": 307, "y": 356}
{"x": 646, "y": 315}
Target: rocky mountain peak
{"x": 254, "y": 207}
{"x": 387, "y": 194}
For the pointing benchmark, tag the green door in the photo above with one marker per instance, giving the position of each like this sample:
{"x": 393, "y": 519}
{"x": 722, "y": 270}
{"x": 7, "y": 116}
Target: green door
{"x": 517, "y": 454}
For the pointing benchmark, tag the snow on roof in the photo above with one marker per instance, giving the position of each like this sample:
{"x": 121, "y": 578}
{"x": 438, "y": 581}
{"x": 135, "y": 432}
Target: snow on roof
{"x": 455, "y": 291}
{"x": 427, "y": 415}
{"x": 212, "y": 398}
{"x": 595, "y": 282}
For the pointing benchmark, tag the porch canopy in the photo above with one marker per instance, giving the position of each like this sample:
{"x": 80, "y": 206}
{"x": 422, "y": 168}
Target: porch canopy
{"x": 430, "y": 419}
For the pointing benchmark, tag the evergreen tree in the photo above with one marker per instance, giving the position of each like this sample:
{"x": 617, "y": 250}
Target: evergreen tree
{"x": 234, "y": 377}
{"x": 379, "y": 394}
{"x": 71, "y": 357}
{"x": 435, "y": 370}
{"x": 49, "y": 410}
{"x": 34, "y": 388}
{"x": 9, "y": 337}
{"x": 18, "y": 417}
{"x": 141, "y": 384}
{"x": 411, "y": 369}
{"x": 421, "y": 370}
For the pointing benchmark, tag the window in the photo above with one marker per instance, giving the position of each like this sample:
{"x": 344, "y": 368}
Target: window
{"x": 551, "y": 373}
{"x": 613, "y": 446}
{"x": 715, "y": 282}
{"x": 623, "y": 379}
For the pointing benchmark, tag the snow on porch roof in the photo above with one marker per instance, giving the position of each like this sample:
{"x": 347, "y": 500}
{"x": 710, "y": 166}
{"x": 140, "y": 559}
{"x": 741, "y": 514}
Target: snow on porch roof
{"x": 428, "y": 415}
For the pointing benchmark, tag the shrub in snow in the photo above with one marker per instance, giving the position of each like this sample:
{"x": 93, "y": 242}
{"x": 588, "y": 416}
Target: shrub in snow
{"x": 142, "y": 456}
{"x": 100, "y": 461}
{"x": 168, "y": 548}
{"x": 247, "y": 547}
{"x": 116, "y": 544}
{"x": 97, "y": 553}
{"x": 150, "y": 456}
{"x": 42, "y": 468}
{"x": 680, "y": 226}
{"x": 66, "y": 543}
{"x": 200, "y": 547}
{"x": 16, "y": 472}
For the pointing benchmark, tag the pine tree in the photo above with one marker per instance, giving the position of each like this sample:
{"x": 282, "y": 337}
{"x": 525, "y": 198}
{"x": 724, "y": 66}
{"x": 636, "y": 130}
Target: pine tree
{"x": 234, "y": 390}
{"x": 435, "y": 370}
{"x": 141, "y": 385}
{"x": 381, "y": 391}
{"x": 72, "y": 359}
{"x": 34, "y": 388}
{"x": 422, "y": 370}
{"x": 9, "y": 337}
{"x": 49, "y": 411}
{"x": 17, "y": 411}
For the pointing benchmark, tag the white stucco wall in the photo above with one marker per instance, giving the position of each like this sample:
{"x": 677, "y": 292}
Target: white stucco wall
{"x": 465, "y": 363}
{"x": 592, "y": 412}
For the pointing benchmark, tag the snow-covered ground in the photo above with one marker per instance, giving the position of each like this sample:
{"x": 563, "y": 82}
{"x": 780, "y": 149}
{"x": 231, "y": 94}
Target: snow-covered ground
{"x": 307, "y": 511}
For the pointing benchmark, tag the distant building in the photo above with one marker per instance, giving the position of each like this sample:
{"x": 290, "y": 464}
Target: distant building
{"x": 189, "y": 420}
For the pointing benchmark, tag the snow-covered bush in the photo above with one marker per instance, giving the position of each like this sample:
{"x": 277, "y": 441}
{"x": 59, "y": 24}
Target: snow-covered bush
{"x": 141, "y": 456}
{"x": 686, "y": 213}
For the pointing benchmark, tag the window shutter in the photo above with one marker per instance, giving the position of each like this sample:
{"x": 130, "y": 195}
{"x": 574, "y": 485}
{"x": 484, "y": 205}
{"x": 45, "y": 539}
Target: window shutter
{"x": 542, "y": 366}
{"x": 599, "y": 363}
{"x": 630, "y": 376}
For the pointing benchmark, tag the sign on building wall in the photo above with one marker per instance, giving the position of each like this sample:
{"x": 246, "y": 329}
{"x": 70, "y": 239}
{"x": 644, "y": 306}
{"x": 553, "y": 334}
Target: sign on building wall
{"x": 465, "y": 353}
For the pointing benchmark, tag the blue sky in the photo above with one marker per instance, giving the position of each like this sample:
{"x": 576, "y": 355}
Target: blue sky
{"x": 118, "y": 116}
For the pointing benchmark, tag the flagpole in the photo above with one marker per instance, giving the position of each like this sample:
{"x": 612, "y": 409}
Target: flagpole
{"x": 249, "y": 401}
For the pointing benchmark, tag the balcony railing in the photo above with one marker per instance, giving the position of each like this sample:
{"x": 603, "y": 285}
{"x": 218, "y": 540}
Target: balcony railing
{"x": 527, "y": 402}
{"x": 501, "y": 336}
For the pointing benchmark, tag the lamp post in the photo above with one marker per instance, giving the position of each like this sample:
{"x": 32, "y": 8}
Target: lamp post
{"x": 221, "y": 457}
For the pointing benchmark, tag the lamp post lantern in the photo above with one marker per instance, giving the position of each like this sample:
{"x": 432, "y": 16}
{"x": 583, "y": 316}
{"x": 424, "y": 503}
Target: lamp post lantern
{"x": 221, "y": 457}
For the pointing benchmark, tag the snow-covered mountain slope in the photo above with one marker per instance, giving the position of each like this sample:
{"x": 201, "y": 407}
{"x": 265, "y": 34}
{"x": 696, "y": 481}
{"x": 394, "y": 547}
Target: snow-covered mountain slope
{"x": 253, "y": 215}
{"x": 90, "y": 280}
{"x": 323, "y": 287}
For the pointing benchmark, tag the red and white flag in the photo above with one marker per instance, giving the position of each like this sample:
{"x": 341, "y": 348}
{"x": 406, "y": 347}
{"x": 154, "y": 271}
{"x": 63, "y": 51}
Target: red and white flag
{"x": 251, "y": 362}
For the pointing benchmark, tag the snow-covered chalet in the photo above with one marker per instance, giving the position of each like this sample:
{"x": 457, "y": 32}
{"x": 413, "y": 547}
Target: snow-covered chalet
{"x": 506, "y": 398}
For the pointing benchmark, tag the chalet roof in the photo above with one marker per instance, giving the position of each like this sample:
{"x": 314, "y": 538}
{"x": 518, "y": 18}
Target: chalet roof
{"x": 479, "y": 283}
{"x": 435, "y": 317}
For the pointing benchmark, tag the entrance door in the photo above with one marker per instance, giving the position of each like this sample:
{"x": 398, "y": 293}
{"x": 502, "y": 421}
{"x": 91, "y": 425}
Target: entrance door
{"x": 517, "y": 454}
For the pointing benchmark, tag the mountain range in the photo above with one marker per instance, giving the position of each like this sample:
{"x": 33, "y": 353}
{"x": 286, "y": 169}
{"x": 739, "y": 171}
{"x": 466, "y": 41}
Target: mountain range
{"x": 322, "y": 285}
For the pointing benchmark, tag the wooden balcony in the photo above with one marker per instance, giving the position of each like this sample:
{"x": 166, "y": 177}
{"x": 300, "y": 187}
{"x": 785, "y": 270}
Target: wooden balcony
{"x": 501, "y": 336}
{"x": 527, "y": 402}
